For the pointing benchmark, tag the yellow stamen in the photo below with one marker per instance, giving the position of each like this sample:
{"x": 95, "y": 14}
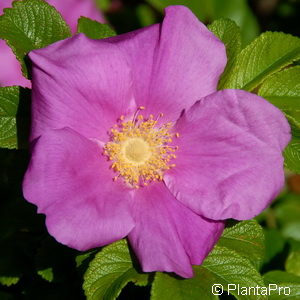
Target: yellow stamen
{"x": 139, "y": 149}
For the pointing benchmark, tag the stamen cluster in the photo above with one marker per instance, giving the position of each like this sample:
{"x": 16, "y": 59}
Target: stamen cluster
{"x": 140, "y": 149}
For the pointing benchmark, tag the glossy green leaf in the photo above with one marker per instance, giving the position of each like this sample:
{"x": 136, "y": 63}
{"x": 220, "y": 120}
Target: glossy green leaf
{"x": 171, "y": 287}
{"x": 247, "y": 239}
{"x": 14, "y": 117}
{"x": 234, "y": 260}
{"x": 229, "y": 33}
{"x": 292, "y": 264}
{"x": 222, "y": 266}
{"x": 9, "y": 101}
{"x": 29, "y": 25}
{"x": 83, "y": 257}
{"x": 295, "y": 125}
{"x": 110, "y": 271}
{"x": 94, "y": 29}
{"x": 228, "y": 267}
{"x": 292, "y": 155}
{"x": 269, "y": 53}
{"x": 283, "y": 90}
{"x": 240, "y": 12}
{"x": 289, "y": 283}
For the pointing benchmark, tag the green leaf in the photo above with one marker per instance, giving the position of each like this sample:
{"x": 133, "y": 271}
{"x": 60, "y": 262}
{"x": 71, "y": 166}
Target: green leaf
{"x": 269, "y": 53}
{"x": 288, "y": 210}
{"x": 146, "y": 15}
{"x": 247, "y": 239}
{"x": 295, "y": 125}
{"x": 9, "y": 101}
{"x": 94, "y": 29}
{"x": 8, "y": 281}
{"x": 294, "y": 245}
{"x": 292, "y": 230}
{"x": 110, "y": 271}
{"x": 46, "y": 274}
{"x": 53, "y": 260}
{"x": 29, "y": 25}
{"x": 274, "y": 243}
{"x": 209, "y": 10}
{"x": 284, "y": 280}
{"x": 222, "y": 266}
{"x": 103, "y": 5}
{"x": 171, "y": 287}
{"x": 240, "y": 12}
{"x": 292, "y": 264}
{"x": 12, "y": 263}
{"x": 201, "y": 8}
{"x": 13, "y": 114}
{"x": 229, "y": 33}
{"x": 283, "y": 90}
{"x": 83, "y": 257}
{"x": 228, "y": 267}
{"x": 292, "y": 155}
{"x": 233, "y": 261}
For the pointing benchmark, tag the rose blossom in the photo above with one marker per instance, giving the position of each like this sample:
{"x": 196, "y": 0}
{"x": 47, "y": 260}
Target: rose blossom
{"x": 122, "y": 145}
{"x": 71, "y": 10}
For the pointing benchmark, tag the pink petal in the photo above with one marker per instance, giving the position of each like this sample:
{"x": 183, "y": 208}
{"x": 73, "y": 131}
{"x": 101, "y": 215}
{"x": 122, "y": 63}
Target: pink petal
{"x": 10, "y": 68}
{"x": 79, "y": 83}
{"x": 229, "y": 161}
{"x": 72, "y": 10}
{"x": 5, "y": 4}
{"x": 70, "y": 182}
{"x": 174, "y": 63}
{"x": 168, "y": 236}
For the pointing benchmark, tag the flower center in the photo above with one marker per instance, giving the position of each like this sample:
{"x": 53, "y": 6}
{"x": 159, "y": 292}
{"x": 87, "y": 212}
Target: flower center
{"x": 136, "y": 151}
{"x": 140, "y": 149}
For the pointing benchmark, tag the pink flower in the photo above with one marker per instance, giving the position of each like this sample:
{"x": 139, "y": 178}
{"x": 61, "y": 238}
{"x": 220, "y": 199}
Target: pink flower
{"x": 71, "y": 10}
{"x": 123, "y": 148}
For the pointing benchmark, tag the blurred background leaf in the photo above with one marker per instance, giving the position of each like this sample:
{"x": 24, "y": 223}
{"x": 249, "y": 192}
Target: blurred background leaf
{"x": 209, "y": 10}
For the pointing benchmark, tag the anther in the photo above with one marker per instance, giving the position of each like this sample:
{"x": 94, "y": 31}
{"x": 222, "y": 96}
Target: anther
{"x": 136, "y": 113}
{"x": 139, "y": 149}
